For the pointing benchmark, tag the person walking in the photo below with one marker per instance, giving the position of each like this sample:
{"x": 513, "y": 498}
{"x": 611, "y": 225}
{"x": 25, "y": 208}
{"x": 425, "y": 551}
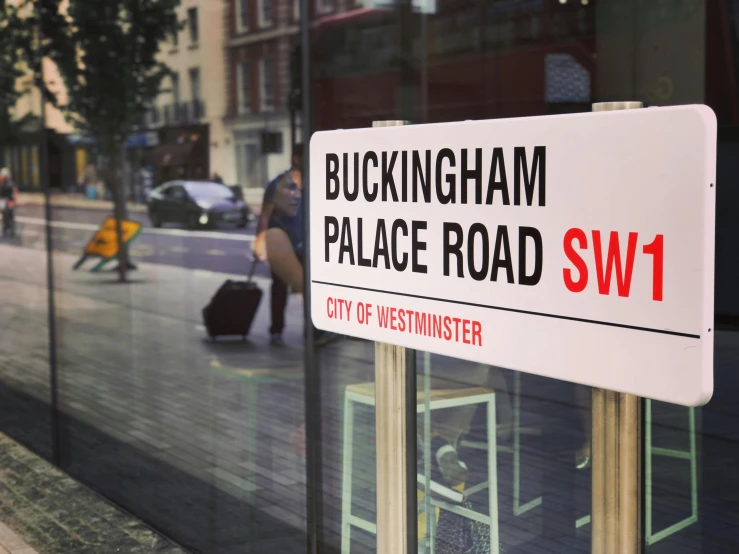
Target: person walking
{"x": 282, "y": 208}
{"x": 283, "y": 212}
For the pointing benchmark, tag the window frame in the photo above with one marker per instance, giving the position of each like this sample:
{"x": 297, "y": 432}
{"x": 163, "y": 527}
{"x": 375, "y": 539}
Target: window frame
{"x": 176, "y": 91}
{"x": 264, "y": 22}
{"x": 195, "y": 71}
{"x": 242, "y": 13}
{"x": 266, "y": 66}
{"x": 325, "y": 6}
{"x": 193, "y": 25}
{"x": 243, "y": 84}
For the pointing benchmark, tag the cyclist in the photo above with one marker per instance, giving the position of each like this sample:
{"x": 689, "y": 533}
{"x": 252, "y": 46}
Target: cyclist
{"x": 8, "y": 194}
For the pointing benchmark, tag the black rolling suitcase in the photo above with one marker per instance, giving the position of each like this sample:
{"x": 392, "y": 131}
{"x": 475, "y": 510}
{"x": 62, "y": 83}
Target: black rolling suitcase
{"x": 233, "y": 307}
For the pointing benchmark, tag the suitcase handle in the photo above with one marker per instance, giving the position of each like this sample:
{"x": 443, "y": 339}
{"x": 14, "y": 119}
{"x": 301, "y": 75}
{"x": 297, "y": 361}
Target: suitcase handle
{"x": 254, "y": 263}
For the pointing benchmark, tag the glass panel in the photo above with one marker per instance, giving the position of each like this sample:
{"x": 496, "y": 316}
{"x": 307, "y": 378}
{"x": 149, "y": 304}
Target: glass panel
{"x": 198, "y": 436}
{"x": 505, "y": 456}
{"x": 205, "y": 440}
{"x": 25, "y": 376}
{"x": 498, "y": 58}
{"x": 348, "y": 445}
{"x": 25, "y": 392}
{"x": 437, "y": 68}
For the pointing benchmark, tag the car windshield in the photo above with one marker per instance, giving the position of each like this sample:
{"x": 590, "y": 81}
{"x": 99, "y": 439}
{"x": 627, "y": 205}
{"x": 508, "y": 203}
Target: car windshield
{"x": 208, "y": 190}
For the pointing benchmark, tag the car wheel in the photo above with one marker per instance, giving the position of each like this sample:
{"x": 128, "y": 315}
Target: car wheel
{"x": 156, "y": 220}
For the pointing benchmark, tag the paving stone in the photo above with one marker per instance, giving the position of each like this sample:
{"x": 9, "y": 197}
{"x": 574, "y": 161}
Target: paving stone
{"x": 56, "y": 515}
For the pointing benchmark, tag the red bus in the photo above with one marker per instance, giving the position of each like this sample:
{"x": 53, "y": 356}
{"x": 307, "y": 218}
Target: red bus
{"x": 477, "y": 60}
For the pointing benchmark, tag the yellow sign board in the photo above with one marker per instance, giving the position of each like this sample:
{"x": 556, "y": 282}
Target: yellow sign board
{"x": 105, "y": 241}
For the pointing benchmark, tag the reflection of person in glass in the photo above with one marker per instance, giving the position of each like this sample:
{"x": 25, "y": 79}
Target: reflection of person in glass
{"x": 280, "y": 241}
{"x": 8, "y": 195}
{"x": 282, "y": 208}
{"x": 450, "y": 425}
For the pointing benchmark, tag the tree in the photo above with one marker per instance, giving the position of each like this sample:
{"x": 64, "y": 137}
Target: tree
{"x": 106, "y": 52}
{"x": 11, "y": 69}
{"x": 27, "y": 30}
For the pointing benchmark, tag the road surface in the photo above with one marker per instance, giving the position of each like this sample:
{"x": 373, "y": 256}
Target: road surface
{"x": 225, "y": 250}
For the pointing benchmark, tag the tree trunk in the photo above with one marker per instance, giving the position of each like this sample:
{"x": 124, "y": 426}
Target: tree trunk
{"x": 119, "y": 199}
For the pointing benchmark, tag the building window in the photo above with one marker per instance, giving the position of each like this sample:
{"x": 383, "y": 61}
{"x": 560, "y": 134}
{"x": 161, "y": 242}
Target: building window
{"x": 242, "y": 15}
{"x": 265, "y": 12}
{"x": 267, "y": 84}
{"x": 325, "y": 5}
{"x": 192, "y": 23}
{"x": 195, "y": 83}
{"x": 296, "y": 10}
{"x": 243, "y": 92}
{"x": 176, "y": 88}
{"x": 249, "y": 162}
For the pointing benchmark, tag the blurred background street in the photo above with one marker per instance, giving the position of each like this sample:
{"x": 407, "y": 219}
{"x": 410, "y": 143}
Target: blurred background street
{"x": 225, "y": 249}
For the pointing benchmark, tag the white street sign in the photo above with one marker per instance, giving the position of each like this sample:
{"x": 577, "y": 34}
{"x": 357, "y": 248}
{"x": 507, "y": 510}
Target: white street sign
{"x": 578, "y": 247}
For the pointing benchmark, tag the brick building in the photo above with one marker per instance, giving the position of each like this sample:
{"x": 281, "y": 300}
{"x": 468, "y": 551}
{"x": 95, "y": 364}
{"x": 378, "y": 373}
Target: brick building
{"x": 262, "y": 34}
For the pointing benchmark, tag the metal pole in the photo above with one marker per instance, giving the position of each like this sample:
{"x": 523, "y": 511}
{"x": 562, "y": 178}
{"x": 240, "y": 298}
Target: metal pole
{"x": 314, "y": 474}
{"x": 617, "y": 475}
{"x": 51, "y": 305}
{"x": 395, "y": 417}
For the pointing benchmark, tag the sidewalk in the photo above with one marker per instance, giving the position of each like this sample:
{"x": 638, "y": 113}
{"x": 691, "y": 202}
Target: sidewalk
{"x": 155, "y": 416}
{"x": 53, "y": 514}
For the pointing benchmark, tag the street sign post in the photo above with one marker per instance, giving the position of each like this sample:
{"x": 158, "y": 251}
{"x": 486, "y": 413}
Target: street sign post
{"x": 578, "y": 247}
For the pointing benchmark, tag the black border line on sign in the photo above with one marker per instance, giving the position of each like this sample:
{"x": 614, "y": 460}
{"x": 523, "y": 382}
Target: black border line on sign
{"x": 513, "y": 310}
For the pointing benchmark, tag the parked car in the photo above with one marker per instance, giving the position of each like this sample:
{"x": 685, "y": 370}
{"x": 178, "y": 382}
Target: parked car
{"x": 197, "y": 204}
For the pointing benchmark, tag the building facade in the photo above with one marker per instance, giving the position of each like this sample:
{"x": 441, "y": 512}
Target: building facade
{"x": 262, "y": 36}
{"x": 68, "y": 150}
{"x": 187, "y": 117}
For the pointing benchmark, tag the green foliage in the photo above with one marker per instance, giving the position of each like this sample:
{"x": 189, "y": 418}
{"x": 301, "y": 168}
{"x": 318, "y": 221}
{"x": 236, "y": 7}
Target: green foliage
{"x": 10, "y": 54}
{"x": 29, "y": 31}
{"x": 106, "y": 52}
{"x": 12, "y": 35}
